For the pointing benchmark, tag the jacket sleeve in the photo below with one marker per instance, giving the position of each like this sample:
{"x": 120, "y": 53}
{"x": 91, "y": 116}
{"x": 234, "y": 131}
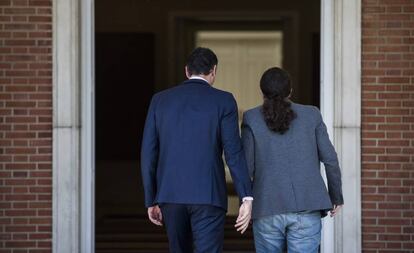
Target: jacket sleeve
{"x": 328, "y": 156}
{"x": 248, "y": 145}
{"x": 233, "y": 150}
{"x": 149, "y": 156}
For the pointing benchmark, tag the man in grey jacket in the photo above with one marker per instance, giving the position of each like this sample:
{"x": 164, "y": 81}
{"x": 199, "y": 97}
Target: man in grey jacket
{"x": 284, "y": 143}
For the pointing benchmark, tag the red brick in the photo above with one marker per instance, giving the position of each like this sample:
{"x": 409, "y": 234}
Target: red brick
{"x": 21, "y": 197}
{"x": 41, "y": 189}
{"x": 44, "y": 197}
{"x": 395, "y": 2}
{"x": 40, "y": 221}
{"x": 20, "y": 190}
{"x": 21, "y": 229}
{"x": 396, "y": 222}
{"x": 394, "y": 17}
{"x": 38, "y": 205}
{"x": 391, "y": 32}
{"x": 389, "y": 143}
{"x": 20, "y": 244}
{"x": 375, "y": 245}
{"x": 373, "y": 197}
{"x": 18, "y": 213}
{"x": 395, "y": 190}
{"x": 394, "y": 49}
{"x": 40, "y": 2}
{"x": 20, "y": 42}
{"x": 46, "y": 19}
{"x": 394, "y": 127}
{"x": 393, "y": 135}
{"x": 393, "y": 103}
{"x": 20, "y": 166}
{"x": 40, "y": 236}
{"x": 19, "y": 10}
{"x": 393, "y": 158}
{"x": 393, "y": 80}
{"x": 371, "y": 229}
{"x": 387, "y": 91}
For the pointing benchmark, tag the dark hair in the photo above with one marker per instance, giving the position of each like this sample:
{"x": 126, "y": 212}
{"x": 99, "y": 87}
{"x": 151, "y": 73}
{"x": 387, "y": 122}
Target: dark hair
{"x": 201, "y": 61}
{"x": 276, "y": 88}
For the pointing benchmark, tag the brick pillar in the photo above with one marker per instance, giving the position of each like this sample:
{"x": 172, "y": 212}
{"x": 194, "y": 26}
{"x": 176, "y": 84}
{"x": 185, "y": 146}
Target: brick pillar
{"x": 25, "y": 126}
{"x": 387, "y": 125}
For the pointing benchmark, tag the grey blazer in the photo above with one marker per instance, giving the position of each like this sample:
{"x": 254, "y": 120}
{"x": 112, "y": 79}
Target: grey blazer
{"x": 286, "y": 168}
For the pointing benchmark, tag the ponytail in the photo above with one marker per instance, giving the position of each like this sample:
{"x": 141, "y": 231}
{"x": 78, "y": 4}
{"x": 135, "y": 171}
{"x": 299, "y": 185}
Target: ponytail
{"x": 277, "y": 111}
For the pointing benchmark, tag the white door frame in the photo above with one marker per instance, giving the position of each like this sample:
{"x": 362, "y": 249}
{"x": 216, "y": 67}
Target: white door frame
{"x": 73, "y": 126}
{"x": 341, "y": 109}
{"x": 73, "y": 121}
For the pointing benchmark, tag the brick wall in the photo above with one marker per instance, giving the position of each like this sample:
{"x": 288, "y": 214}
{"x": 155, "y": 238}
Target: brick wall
{"x": 387, "y": 125}
{"x": 25, "y": 126}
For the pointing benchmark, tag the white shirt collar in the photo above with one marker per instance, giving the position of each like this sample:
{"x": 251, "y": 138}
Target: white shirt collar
{"x": 199, "y": 78}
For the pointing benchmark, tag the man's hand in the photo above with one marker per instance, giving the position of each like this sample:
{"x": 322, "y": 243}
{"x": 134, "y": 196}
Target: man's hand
{"x": 155, "y": 215}
{"x": 335, "y": 210}
{"x": 245, "y": 214}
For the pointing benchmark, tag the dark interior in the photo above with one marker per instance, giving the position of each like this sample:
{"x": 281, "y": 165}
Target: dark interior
{"x": 140, "y": 49}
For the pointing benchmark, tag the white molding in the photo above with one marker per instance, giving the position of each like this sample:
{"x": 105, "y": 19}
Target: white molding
{"x": 327, "y": 99}
{"x": 73, "y": 137}
{"x": 87, "y": 158}
{"x": 341, "y": 107}
{"x": 347, "y": 122}
{"x": 66, "y": 148}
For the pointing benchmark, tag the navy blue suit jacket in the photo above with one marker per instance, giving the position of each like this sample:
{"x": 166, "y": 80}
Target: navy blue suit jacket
{"x": 186, "y": 130}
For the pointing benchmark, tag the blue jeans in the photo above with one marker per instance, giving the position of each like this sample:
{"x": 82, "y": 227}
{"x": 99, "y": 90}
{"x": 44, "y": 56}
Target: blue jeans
{"x": 301, "y": 231}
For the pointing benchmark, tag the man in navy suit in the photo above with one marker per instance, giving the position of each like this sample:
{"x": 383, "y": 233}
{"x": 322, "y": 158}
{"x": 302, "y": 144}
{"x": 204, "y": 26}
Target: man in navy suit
{"x": 186, "y": 130}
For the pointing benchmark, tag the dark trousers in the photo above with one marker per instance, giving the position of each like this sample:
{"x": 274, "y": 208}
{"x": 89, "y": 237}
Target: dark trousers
{"x": 194, "y": 228}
